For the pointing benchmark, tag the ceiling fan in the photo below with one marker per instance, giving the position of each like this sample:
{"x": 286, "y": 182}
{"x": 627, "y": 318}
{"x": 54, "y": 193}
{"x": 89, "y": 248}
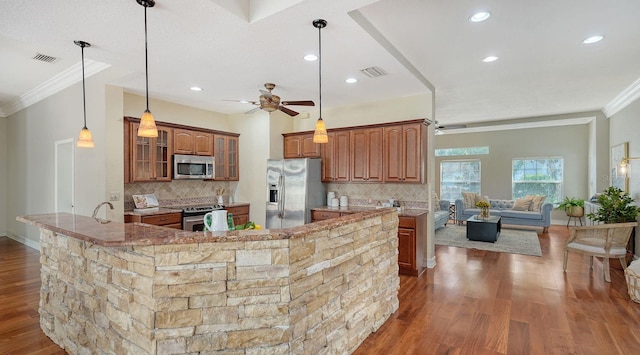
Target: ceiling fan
{"x": 270, "y": 102}
{"x": 440, "y": 128}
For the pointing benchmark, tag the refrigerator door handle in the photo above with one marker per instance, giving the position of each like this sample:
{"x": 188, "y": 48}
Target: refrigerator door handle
{"x": 282, "y": 195}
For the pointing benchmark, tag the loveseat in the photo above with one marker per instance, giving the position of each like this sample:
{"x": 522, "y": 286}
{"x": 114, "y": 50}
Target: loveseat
{"x": 441, "y": 216}
{"x": 504, "y": 209}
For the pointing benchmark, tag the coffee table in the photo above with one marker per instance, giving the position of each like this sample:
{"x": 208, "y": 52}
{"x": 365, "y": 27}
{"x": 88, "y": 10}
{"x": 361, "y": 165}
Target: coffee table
{"x": 484, "y": 230}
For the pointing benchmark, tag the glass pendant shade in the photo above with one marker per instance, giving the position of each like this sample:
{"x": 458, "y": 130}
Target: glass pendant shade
{"x": 320, "y": 133}
{"x": 85, "y": 140}
{"x": 147, "y": 125}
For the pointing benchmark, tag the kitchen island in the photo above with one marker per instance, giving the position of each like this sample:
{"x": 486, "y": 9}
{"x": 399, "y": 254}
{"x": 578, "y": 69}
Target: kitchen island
{"x": 142, "y": 289}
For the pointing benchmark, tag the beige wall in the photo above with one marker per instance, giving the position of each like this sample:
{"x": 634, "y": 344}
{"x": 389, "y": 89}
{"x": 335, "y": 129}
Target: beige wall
{"x": 31, "y": 134}
{"x": 3, "y": 176}
{"x": 624, "y": 126}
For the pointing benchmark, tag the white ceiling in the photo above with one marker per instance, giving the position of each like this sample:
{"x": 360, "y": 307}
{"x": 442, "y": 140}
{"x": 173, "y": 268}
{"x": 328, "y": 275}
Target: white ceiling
{"x": 230, "y": 48}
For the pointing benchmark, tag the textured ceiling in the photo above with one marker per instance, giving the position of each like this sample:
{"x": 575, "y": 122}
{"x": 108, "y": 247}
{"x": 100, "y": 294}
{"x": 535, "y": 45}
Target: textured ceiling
{"x": 230, "y": 48}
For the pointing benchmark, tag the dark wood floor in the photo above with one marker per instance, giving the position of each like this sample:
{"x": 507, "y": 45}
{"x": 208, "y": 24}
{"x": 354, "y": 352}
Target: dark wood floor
{"x": 472, "y": 302}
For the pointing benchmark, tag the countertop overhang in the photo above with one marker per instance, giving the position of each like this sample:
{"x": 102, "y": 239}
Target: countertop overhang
{"x": 116, "y": 234}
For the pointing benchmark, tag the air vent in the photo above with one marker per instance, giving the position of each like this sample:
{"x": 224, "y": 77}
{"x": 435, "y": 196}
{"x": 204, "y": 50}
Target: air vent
{"x": 44, "y": 58}
{"x": 373, "y": 72}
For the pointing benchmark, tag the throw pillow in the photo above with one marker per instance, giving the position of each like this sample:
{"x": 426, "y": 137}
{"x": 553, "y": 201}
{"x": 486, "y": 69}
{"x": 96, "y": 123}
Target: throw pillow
{"x": 522, "y": 204}
{"x": 469, "y": 199}
{"x": 536, "y": 202}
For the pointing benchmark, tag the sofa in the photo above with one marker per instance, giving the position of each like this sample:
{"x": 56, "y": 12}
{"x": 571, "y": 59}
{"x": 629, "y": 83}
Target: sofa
{"x": 504, "y": 209}
{"x": 441, "y": 216}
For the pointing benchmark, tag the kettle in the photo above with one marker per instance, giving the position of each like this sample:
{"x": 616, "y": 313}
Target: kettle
{"x": 216, "y": 221}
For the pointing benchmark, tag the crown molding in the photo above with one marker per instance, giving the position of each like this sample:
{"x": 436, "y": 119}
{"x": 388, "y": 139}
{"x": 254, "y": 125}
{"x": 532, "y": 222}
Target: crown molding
{"x": 627, "y": 96}
{"x": 59, "y": 82}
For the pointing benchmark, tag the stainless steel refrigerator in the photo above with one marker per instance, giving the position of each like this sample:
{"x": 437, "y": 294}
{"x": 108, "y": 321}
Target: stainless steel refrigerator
{"x": 294, "y": 187}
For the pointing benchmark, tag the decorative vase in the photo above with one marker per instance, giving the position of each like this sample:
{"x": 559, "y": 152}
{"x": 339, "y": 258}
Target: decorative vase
{"x": 484, "y": 213}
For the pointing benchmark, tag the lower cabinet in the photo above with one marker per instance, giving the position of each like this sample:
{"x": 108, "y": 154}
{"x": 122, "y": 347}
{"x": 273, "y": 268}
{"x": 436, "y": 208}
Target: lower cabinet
{"x": 412, "y": 239}
{"x": 240, "y": 214}
{"x": 169, "y": 219}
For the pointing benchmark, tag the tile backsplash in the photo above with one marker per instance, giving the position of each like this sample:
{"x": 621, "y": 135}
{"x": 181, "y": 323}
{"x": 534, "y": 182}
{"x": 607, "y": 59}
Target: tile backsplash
{"x": 193, "y": 192}
{"x": 179, "y": 192}
{"x": 412, "y": 195}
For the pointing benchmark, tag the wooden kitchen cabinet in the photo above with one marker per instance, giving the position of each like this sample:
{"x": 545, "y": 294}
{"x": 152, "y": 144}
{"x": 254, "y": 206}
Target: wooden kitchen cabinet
{"x": 319, "y": 215}
{"x": 412, "y": 239}
{"x": 403, "y": 149}
{"x": 187, "y": 141}
{"x": 226, "y": 157}
{"x": 301, "y": 146}
{"x": 366, "y": 154}
{"x": 335, "y": 157}
{"x": 169, "y": 219}
{"x": 148, "y": 159}
{"x": 240, "y": 214}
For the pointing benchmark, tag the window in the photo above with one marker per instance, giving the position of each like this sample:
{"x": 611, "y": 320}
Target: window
{"x": 448, "y": 152}
{"x": 457, "y": 176}
{"x": 542, "y": 176}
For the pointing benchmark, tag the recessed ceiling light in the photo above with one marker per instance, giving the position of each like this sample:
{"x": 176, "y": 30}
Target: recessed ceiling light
{"x": 480, "y": 16}
{"x": 310, "y": 57}
{"x": 196, "y": 88}
{"x": 593, "y": 39}
{"x": 351, "y": 80}
{"x": 489, "y": 59}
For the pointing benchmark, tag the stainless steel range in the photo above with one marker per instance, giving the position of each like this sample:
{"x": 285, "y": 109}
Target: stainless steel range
{"x": 193, "y": 216}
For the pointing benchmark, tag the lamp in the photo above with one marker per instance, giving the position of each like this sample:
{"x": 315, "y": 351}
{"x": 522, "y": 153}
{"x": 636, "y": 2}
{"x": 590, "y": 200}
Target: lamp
{"x": 624, "y": 165}
{"x": 320, "y": 133}
{"x": 85, "y": 140}
{"x": 147, "y": 123}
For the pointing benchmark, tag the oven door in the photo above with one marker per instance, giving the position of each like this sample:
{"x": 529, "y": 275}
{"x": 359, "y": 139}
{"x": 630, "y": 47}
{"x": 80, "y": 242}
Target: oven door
{"x": 193, "y": 223}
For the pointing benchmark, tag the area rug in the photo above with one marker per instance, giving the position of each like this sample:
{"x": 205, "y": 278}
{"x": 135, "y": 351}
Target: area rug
{"x": 515, "y": 241}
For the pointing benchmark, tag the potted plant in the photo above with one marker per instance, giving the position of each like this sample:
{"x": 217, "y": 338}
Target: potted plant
{"x": 615, "y": 207}
{"x": 574, "y": 207}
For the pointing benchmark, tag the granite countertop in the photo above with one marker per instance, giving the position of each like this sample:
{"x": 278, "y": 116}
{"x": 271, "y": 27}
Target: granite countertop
{"x": 116, "y": 234}
{"x": 357, "y": 209}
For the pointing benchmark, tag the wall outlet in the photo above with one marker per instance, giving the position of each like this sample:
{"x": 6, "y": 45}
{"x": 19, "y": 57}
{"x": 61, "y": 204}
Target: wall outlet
{"x": 114, "y": 196}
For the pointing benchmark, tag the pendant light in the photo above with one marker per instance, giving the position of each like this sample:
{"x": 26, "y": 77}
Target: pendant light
{"x": 320, "y": 133}
{"x": 85, "y": 140}
{"x": 147, "y": 123}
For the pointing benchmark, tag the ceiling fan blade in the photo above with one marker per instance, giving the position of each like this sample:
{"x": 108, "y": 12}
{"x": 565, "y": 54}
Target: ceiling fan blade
{"x": 288, "y": 111}
{"x": 453, "y": 126}
{"x": 266, "y": 93}
{"x": 299, "y": 103}
{"x": 243, "y": 101}
{"x": 252, "y": 110}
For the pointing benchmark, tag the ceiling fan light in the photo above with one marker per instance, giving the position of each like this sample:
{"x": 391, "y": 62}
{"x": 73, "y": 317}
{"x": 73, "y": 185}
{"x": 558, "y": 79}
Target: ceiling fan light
{"x": 320, "y": 133}
{"x": 85, "y": 140}
{"x": 147, "y": 125}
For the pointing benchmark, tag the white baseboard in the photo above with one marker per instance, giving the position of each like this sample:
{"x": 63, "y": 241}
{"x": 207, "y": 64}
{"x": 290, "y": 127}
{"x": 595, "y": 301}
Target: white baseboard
{"x": 22, "y": 240}
{"x": 430, "y": 262}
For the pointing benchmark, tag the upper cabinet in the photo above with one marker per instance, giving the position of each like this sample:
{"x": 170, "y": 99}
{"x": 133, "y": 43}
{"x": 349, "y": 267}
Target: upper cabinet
{"x": 226, "y": 157}
{"x": 388, "y": 152}
{"x": 187, "y": 141}
{"x": 366, "y": 154}
{"x": 300, "y": 146}
{"x": 335, "y": 157}
{"x": 149, "y": 159}
{"x": 403, "y": 150}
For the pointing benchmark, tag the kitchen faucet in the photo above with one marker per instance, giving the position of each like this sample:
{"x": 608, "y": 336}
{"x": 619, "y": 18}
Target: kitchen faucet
{"x": 95, "y": 212}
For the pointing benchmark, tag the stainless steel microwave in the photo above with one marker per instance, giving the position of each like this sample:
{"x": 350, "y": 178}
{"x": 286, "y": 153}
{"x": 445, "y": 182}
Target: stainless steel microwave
{"x": 192, "y": 167}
